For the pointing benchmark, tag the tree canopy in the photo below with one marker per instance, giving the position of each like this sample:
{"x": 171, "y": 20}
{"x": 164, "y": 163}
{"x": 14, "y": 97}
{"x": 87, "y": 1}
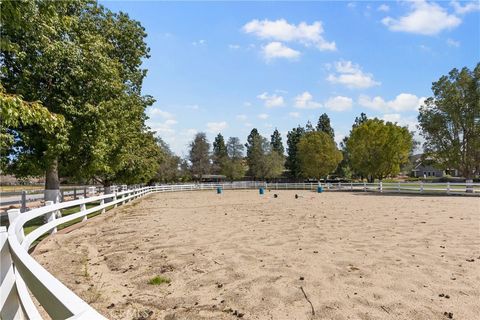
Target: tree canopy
{"x": 233, "y": 166}
{"x": 276, "y": 142}
{"x": 323, "y": 125}
{"x": 377, "y": 149}
{"x": 83, "y": 62}
{"x": 219, "y": 154}
{"x": 199, "y": 155}
{"x": 318, "y": 155}
{"x": 450, "y": 121}
{"x": 292, "y": 164}
{"x": 263, "y": 162}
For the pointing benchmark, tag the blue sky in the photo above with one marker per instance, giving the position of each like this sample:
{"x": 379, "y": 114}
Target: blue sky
{"x": 231, "y": 66}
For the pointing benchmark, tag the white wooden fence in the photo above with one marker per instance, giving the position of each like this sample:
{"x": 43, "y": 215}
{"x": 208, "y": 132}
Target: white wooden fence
{"x": 21, "y": 276}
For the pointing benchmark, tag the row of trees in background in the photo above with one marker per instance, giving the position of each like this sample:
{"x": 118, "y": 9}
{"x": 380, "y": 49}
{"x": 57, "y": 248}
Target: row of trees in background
{"x": 374, "y": 149}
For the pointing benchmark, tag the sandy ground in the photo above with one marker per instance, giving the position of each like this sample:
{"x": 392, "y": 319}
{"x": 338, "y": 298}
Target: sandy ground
{"x": 241, "y": 255}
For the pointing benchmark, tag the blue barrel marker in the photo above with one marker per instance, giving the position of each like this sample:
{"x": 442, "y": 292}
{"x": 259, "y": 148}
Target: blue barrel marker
{"x": 219, "y": 190}
{"x": 319, "y": 189}
{"x": 261, "y": 190}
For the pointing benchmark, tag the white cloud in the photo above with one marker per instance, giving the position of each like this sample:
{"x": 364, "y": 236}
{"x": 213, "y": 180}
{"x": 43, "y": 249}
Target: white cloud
{"x": 159, "y": 112}
{"x": 279, "y": 50}
{"x": 410, "y": 122}
{"x": 263, "y": 116}
{"x": 234, "y": 46}
{"x": 241, "y": 117}
{"x": 200, "y": 42}
{"x": 216, "y": 127}
{"x": 383, "y": 7}
{"x": 468, "y": 7}
{"x": 305, "y": 101}
{"x": 247, "y": 104}
{"x": 339, "y": 103}
{"x": 425, "y": 18}
{"x": 402, "y": 102}
{"x": 453, "y": 43}
{"x": 351, "y": 5}
{"x": 294, "y": 114}
{"x": 281, "y": 30}
{"x": 163, "y": 128}
{"x": 352, "y": 76}
{"x": 189, "y": 132}
{"x": 271, "y": 100}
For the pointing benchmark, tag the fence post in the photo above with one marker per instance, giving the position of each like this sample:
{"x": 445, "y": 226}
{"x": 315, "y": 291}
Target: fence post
{"x": 102, "y": 202}
{"x": 24, "y": 201}
{"x": 469, "y": 186}
{"x": 62, "y": 195}
{"x": 84, "y": 192}
{"x": 381, "y": 186}
{"x": 74, "y": 193}
{"x": 398, "y": 186}
{"x": 83, "y": 207}
{"x": 364, "y": 186}
{"x": 12, "y": 215}
{"x": 51, "y": 216}
{"x": 421, "y": 186}
{"x": 448, "y": 187}
{"x": 12, "y": 308}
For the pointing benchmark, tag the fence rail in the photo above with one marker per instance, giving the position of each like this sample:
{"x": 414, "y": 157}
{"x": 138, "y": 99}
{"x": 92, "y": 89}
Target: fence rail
{"x": 21, "y": 275}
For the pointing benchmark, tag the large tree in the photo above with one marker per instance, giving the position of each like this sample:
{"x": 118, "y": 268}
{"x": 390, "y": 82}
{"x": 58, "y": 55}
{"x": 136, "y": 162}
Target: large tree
{"x": 377, "y": 149}
{"x": 323, "y": 125}
{"x": 263, "y": 162}
{"x": 219, "y": 154}
{"x": 81, "y": 61}
{"x": 318, "y": 155}
{"x": 293, "y": 137}
{"x": 450, "y": 121}
{"x": 344, "y": 169}
{"x": 276, "y": 142}
{"x": 233, "y": 166}
{"x": 254, "y": 152}
{"x": 199, "y": 156}
{"x": 168, "y": 164}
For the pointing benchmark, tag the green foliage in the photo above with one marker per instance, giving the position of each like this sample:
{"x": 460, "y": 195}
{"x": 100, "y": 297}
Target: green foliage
{"x": 220, "y": 154}
{"x": 292, "y": 164}
{"x": 450, "y": 121}
{"x": 158, "y": 280}
{"x": 263, "y": 162}
{"x": 168, "y": 164}
{"x": 377, "y": 149}
{"x": 276, "y": 142}
{"x": 318, "y": 155}
{"x": 81, "y": 61}
{"x": 233, "y": 166}
{"x": 16, "y": 114}
{"x": 323, "y": 125}
{"x": 199, "y": 155}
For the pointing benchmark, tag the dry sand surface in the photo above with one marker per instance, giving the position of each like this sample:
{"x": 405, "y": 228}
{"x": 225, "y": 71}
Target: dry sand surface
{"x": 242, "y": 255}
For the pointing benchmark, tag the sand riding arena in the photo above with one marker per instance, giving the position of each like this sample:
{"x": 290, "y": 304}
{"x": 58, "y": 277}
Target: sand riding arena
{"x": 202, "y": 255}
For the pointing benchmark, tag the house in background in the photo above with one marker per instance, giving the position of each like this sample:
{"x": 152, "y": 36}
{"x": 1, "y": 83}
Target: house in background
{"x": 423, "y": 169}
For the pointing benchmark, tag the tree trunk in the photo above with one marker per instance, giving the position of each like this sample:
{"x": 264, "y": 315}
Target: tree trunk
{"x": 52, "y": 183}
{"x": 107, "y": 189}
